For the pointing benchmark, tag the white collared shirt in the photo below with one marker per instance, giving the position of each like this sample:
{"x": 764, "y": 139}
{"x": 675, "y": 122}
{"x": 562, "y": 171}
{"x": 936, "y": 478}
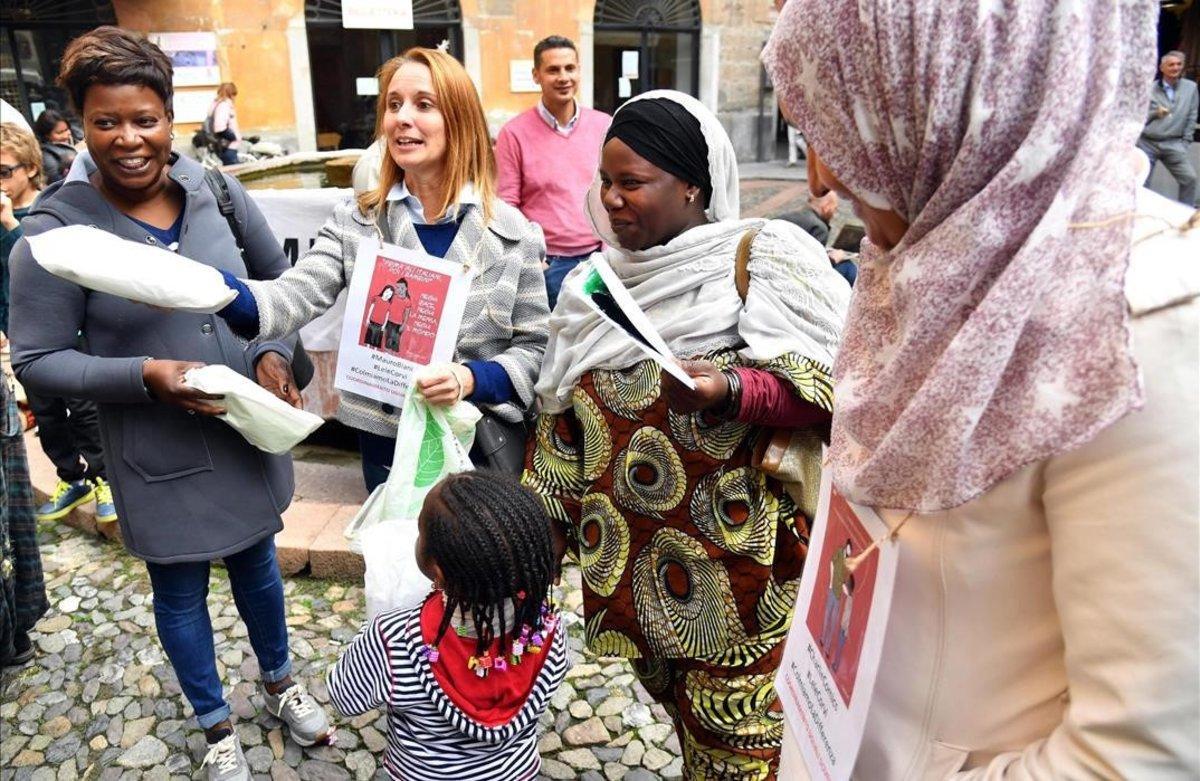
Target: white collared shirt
{"x": 416, "y": 210}
{"x": 552, "y": 121}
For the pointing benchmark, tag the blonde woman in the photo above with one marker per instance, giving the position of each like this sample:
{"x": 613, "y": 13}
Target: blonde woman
{"x": 436, "y": 194}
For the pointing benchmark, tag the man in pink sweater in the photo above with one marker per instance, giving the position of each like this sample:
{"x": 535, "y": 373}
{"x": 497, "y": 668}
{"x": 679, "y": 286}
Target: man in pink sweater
{"x": 547, "y": 157}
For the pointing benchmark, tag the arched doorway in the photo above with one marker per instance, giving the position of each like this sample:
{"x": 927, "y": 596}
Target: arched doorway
{"x": 642, "y": 45}
{"x": 344, "y": 108}
{"x": 35, "y": 34}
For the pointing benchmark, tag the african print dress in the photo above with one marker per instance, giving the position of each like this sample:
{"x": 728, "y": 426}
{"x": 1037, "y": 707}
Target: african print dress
{"x": 687, "y": 552}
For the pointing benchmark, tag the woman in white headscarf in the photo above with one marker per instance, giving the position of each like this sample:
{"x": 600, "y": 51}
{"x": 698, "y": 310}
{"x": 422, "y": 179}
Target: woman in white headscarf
{"x": 1017, "y": 381}
{"x": 690, "y": 555}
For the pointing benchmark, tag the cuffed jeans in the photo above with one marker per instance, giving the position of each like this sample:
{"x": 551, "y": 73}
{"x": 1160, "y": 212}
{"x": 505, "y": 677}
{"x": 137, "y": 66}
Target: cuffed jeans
{"x": 184, "y": 628}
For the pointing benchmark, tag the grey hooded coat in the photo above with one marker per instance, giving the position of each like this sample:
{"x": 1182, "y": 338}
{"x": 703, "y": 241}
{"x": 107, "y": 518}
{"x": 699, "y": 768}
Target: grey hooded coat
{"x": 187, "y": 487}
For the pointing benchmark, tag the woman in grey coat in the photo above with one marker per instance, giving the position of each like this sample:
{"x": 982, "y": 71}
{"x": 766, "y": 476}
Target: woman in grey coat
{"x": 188, "y": 487}
{"x": 436, "y": 195}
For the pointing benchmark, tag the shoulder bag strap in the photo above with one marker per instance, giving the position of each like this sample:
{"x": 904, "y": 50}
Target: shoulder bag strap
{"x": 741, "y": 268}
{"x": 220, "y": 189}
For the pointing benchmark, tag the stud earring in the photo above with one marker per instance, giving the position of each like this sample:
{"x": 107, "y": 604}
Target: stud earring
{"x": 691, "y": 197}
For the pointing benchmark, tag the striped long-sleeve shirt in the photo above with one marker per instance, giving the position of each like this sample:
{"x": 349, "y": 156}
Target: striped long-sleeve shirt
{"x": 429, "y": 737}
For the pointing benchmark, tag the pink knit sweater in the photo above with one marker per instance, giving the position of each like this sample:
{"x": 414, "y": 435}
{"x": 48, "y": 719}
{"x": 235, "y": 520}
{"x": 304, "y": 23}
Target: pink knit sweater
{"x": 546, "y": 175}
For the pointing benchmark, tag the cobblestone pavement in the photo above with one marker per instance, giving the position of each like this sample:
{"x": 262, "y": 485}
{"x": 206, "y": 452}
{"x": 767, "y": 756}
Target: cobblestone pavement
{"x": 100, "y": 700}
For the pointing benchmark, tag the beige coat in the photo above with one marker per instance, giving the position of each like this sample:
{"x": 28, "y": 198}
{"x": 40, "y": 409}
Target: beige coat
{"x": 1050, "y": 628}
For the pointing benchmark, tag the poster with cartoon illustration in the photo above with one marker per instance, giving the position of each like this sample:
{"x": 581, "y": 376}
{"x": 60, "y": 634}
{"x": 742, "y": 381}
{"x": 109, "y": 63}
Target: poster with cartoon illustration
{"x": 403, "y": 311}
{"x": 834, "y": 646}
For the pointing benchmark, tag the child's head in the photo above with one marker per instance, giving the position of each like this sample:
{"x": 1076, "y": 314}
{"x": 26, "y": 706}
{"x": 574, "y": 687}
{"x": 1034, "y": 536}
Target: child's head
{"x": 387, "y": 292}
{"x": 402, "y": 287}
{"x": 485, "y": 541}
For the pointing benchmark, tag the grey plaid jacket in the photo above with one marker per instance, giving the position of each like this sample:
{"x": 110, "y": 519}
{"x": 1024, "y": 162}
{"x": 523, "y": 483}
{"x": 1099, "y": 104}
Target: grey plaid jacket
{"x": 506, "y": 316}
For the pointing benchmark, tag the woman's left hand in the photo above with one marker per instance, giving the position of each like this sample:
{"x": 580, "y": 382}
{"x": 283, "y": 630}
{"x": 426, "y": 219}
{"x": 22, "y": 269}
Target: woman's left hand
{"x": 443, "y": 385}
{"x": 712, "y": 388}
{"x": 274, "y": 372}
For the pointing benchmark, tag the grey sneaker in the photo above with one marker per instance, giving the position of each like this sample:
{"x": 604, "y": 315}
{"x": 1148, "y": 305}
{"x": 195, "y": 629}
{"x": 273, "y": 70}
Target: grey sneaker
{"x": 304, "y": 717}
{"x": 225, "y": 760}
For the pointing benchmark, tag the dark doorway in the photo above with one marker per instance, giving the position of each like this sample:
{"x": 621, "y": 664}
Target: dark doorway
{"x": 642, "y": 45}
{"x": 339, "y": 57}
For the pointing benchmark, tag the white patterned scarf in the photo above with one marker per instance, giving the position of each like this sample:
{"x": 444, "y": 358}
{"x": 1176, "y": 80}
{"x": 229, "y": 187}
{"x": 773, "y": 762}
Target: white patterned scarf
{"x": 996, "y": 332}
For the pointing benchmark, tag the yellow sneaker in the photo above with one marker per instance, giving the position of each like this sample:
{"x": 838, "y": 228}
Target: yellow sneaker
{"x": 66, "y": 497}
{"x": 106, "y": 509}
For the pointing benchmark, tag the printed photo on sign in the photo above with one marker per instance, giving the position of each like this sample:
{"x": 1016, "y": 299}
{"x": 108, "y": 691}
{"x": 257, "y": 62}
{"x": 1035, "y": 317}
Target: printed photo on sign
{"x": 403, "y": 310}
{"x": 839, "y": 620}
{"x": 831, "y": 656}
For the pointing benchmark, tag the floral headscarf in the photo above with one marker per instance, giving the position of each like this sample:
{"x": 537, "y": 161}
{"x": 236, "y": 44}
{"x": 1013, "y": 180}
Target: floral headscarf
{"x": 996, "y": 332}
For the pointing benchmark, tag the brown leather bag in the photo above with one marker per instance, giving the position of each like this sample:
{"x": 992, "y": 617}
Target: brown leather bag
{"x": 791, "y": 456}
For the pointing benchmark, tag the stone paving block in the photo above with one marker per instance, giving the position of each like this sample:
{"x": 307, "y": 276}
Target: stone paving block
{"x": 302, "y": 522}
{"x": 330, "y": 555}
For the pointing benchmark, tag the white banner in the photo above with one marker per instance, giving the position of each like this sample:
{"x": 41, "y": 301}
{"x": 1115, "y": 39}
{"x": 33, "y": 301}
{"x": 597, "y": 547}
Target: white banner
{"x": 403, "y": 312}
{"x": 377, "y": 14}
{"x": 295, "y": 217}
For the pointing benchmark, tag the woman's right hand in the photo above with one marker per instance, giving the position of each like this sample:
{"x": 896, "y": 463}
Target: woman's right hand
{"x": 164, "y": 381}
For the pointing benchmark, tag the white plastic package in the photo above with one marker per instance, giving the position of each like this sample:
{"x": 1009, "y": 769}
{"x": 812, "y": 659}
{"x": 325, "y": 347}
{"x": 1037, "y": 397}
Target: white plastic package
{"x": 98, "y": 260}
{"x": 267, "y": 422}
{"x": 392, "y": 578}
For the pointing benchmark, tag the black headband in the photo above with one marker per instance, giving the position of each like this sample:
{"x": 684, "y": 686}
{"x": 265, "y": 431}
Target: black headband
{"x": 667, "y": 135}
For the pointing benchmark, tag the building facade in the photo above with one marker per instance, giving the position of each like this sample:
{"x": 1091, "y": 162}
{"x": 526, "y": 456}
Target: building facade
{"x": 304, "y": 76}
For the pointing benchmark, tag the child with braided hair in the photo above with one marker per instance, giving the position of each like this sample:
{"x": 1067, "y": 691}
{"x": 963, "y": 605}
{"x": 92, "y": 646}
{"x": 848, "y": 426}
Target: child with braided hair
{"x": 465, "y": 675}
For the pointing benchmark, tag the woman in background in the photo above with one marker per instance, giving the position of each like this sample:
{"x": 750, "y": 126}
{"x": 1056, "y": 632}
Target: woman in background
{"x": 222, "y": 122}
{"x": 58, "y": 145}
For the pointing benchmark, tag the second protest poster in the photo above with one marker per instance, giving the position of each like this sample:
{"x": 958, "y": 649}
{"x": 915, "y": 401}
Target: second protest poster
{"x": 403, "y": 312}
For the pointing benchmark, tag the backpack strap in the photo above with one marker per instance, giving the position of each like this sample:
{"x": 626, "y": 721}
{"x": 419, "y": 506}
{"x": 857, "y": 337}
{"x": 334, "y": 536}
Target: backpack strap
{"x": 220, "y": 189}
{"x": 741, "y": 267}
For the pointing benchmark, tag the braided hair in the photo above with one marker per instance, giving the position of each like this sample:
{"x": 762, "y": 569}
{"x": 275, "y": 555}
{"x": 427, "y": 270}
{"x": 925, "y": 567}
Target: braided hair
{"x": 491, "y": 538}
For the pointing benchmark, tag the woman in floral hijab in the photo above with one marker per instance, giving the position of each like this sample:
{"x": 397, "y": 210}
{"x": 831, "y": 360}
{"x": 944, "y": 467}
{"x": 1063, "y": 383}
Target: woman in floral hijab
{"x": 1016, "y": 381}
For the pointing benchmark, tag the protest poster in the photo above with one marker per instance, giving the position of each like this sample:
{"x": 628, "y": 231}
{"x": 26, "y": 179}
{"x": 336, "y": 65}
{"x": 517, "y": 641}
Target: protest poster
{"x": 403, "y": 312}
{"x": 827, "y": 676}
{"x": 601, "y": 288}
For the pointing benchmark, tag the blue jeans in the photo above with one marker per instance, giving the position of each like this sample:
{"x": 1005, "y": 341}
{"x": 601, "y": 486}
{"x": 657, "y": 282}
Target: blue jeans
{"x": 228, "y": 156}
{"x": 560, "y": 266}
{"x": 181, "y": 615}
{"x": 377, "y": 453}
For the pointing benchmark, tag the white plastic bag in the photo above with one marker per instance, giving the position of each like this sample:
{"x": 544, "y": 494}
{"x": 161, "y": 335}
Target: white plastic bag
{"x": 98, "y": 260}
{"x": 392, "y": 579}
{"x": 431, "y": 442}
{"x": 266, "y": 421}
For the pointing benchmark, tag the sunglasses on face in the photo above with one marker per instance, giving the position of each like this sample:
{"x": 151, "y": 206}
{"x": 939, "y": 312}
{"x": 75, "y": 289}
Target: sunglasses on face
{"x": 6, "y": 171}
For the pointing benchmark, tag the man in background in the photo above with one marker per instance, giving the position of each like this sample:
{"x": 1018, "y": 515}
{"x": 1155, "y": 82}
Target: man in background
{"x": 547, "y": 158}
{"x": 1171, "y": 124}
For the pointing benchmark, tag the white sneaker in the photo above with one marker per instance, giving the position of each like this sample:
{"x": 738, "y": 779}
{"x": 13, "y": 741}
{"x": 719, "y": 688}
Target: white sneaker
{"x": 304, "y": 717}
{"x": 225, "y": 760}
